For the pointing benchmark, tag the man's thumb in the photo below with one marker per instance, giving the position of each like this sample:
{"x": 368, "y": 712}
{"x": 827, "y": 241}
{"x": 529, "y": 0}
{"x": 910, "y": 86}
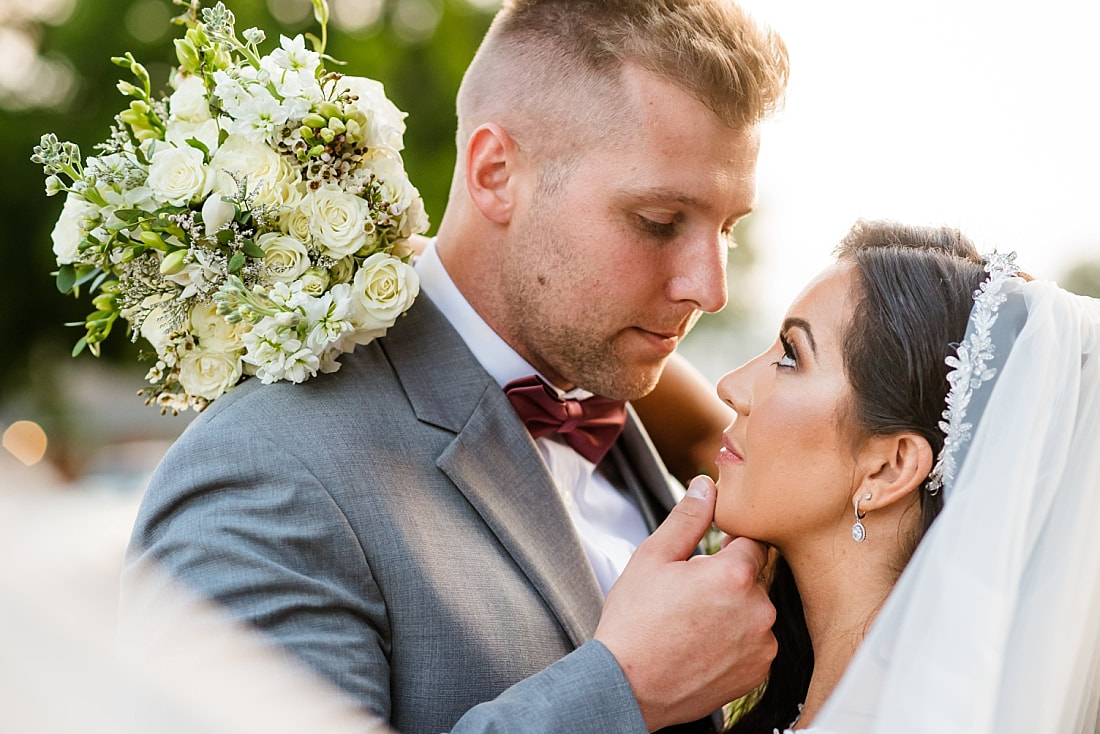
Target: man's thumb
{"x": 685, "y": 526}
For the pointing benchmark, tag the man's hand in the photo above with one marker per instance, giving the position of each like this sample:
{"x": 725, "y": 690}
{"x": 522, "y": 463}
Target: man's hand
{"x": 690, "y": 633}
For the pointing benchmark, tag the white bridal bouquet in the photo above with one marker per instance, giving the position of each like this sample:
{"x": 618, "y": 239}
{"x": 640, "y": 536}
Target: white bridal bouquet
{"x": 254, "y": 222}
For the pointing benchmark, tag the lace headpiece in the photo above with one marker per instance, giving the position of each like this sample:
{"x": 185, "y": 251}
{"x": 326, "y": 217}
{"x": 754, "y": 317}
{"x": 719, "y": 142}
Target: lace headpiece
{"x": 969, "y": 366}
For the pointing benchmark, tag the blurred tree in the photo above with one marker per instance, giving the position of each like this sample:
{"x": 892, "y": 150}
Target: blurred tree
{"x": 58, "y": 78}
{"x": 1083, "y": 278}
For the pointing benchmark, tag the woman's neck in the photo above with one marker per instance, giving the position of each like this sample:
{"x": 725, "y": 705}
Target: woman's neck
{"x": 840, "y": 598}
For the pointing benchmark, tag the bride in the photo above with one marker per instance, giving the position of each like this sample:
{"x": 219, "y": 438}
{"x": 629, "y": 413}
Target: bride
{"x": 842, "y": 454}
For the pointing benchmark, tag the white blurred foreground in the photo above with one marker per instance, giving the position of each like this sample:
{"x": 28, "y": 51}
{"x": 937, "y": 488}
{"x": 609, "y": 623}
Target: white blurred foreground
{"x": 60, "y": 670}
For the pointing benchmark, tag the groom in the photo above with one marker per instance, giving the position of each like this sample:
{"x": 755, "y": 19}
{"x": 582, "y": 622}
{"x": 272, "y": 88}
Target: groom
{"x": 395, "y": 524}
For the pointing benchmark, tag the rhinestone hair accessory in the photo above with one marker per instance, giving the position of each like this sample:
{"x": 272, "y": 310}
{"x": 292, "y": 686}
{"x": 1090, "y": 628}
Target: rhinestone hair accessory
{"x": 968, "y": 366}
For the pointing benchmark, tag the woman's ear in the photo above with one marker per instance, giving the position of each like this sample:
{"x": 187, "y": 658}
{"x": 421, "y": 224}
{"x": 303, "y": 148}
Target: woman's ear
{"x": 490, "y": 163}
{"x": 895, "y": 466}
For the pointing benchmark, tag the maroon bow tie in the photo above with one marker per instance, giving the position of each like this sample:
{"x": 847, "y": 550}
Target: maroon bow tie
{"x": 590, "y": 426}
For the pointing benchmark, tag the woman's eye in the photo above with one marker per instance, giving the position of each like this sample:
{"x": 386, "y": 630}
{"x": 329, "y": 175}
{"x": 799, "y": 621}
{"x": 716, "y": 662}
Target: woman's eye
{"x": 789, "y": 359}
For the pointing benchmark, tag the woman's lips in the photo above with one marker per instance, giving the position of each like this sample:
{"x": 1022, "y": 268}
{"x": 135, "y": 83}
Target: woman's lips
{"x": 728, "y": 454}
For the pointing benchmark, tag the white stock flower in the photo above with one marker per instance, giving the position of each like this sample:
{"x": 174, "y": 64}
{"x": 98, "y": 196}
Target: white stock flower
{"x": 259, "y": 116}
{"x": 285, "y": 257}
{"x": 293, "y": 56}
{"x": 188, "y": 103}
{"x": 338, "y": 220}
{"x": 272, "y": 180}
{"x": 69, "y": 231}
{"x": 385, "y": 123}
{"x": 209, "y": 373}
{"x": 178, "y": 175}
{"x": 383, "y": 289}
{"x": 396, "y": 188}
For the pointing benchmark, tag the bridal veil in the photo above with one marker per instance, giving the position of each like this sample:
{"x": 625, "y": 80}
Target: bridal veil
{"x": 995, "y": 624}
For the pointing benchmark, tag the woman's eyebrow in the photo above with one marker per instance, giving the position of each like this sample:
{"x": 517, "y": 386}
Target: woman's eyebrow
{"x": 804, "y": 325}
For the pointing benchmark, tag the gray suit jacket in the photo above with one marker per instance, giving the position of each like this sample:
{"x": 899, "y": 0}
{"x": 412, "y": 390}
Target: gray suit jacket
{"x": 394, "y": 526}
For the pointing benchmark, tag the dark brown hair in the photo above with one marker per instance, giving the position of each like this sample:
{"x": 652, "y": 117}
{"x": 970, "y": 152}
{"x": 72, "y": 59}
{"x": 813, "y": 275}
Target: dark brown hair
{"x": 916, "y": 290}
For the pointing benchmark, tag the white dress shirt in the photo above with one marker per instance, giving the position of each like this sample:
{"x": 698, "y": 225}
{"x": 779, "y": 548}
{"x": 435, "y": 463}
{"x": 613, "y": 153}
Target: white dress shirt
{"x": 610, "y": 526}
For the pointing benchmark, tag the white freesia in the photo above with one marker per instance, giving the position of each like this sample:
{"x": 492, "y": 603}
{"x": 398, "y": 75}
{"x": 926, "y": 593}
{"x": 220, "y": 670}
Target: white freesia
{"x": 217, "y": 212}
{"x": 383, "y": 288}
{"x": 338, "y": 220}
{"x": 203, "y": 271}
{"x": 270, "y": 177}
{"x": 285, "y": 257}
{"x": 385, "y": 122}
{"x": 69, "y": 230}
{"x": 188, "y": 103}
{"x": 178, "y": 175}
{"x": 207, "y": 373}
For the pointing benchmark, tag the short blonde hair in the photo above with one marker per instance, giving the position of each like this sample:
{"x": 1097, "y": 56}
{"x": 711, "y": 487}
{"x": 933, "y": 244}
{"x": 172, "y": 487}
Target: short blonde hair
{"x": 553, "y": 65}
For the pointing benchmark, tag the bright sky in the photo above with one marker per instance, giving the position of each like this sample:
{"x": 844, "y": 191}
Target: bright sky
{"x": 977, "y": 114}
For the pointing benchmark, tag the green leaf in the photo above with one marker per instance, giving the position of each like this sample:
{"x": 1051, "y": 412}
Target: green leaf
{"x": 84, "y": 274}
{"x": 224, "y": 235}
{"x": 79, "y": 347}
{"x": 66, "y": 278}
{"x": 129, "y": 215}
{"x": 196, "y": 143}
{"x": 236, "y": 262}
{"x": 251, "y": 249}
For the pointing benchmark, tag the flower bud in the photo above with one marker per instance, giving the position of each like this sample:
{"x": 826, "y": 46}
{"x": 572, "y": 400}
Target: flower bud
{"x": 53, "y": 186}
{"x": 154, "y": 240}
{"x": 328, "y": 109}
{"x": 337, "y": 125}
{"x": 172, "y": 262}
{"x": 186, "y": 54}
{"x": 313, "y": 120}
{"x": 128, "y": 89}
{"x": 314, "y": 281}
{"x": 104, "y": 302}
{"x": 354, "y": 130}
{"x": 327, "y": 134}
{"x": 216, "y": 213}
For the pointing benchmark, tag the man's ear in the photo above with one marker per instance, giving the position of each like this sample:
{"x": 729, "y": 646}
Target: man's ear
{"x": 491, "y": 159}
{"x": 894, "y": 466}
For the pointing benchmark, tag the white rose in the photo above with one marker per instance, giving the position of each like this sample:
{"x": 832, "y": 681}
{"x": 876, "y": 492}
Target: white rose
{"x": 271, "y": 177}
{"x": 385, "y": 123}
{"x": 393, "y": 182}
{"x": 69, "y": 231}
{"x": 338, "y": 220}
{"x": 177, "y": 175}
{"x": 208, "y": 374}
{"x": 285, "y": 257}
{"x": 214, "y": 333}
{"x": 179, "y": 132}
{"x": 152, "y": 328}
{"x": 295, "y": 222}
{"x": 382, "y": 290}
{"x": 188, "y": 102}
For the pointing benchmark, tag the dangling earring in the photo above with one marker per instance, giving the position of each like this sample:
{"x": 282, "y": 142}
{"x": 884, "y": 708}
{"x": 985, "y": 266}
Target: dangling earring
{"x": 859, "y": 533}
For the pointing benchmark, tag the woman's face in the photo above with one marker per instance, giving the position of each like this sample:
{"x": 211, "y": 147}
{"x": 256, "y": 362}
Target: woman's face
{"x": 787, "y": 466}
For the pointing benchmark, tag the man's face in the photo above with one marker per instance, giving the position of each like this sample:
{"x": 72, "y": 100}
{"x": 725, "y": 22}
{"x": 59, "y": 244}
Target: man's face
{"x": 609, "y": 268}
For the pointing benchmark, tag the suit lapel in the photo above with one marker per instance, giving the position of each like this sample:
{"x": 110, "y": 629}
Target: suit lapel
{"x": 495, "y": 464}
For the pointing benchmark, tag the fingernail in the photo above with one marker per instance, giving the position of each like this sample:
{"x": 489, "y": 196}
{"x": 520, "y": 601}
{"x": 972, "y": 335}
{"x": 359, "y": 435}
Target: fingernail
{"x": 698, "y": 488}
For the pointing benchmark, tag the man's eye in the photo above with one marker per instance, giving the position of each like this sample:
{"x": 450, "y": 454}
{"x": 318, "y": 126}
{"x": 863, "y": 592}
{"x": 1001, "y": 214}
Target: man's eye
{"x": 656, "y": 228}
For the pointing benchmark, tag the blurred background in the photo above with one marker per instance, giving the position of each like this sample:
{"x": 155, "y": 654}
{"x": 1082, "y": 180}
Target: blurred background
{"x": 980, "y": 115}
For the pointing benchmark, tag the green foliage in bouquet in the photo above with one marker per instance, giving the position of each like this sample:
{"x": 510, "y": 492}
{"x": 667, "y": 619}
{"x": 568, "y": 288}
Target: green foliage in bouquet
{"x": 253, "y": 223}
